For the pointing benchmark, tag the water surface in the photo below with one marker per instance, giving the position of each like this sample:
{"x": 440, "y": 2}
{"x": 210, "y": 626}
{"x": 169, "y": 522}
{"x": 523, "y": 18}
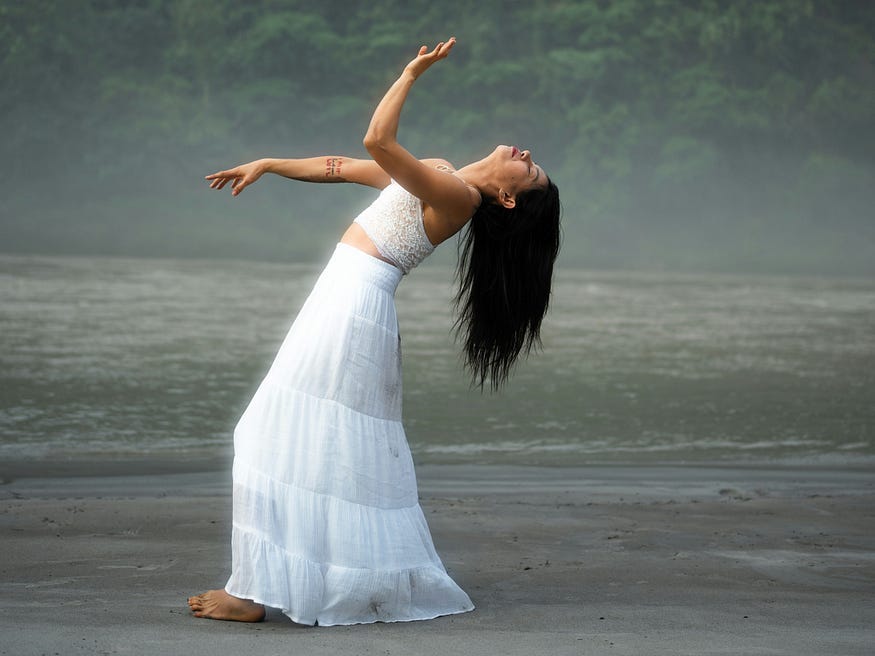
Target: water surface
{"x": 135, "y": 357}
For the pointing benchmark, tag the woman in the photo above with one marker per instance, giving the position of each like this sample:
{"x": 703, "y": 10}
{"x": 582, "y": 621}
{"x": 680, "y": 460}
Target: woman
{"x": 327, "y": 524}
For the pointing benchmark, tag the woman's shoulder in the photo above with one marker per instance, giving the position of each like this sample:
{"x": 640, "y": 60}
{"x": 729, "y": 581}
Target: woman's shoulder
{"x": 439, "y": 164}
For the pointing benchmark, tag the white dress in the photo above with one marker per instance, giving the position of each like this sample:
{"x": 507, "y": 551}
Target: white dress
{"x": 327, "y": 523}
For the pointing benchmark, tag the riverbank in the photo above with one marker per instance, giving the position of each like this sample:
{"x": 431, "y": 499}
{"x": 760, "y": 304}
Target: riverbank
{"x": 589, "y": 560}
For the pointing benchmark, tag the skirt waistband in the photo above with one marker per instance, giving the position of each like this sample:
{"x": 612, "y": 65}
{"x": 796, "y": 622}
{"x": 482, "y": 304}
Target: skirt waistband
{"x": 350, "y": 260}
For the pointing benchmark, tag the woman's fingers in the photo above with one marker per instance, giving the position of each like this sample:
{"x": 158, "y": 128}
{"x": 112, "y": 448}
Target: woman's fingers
{"x": 425, "y": 58}
{"x": 440, "y": 51}
{"x": 443, "y": 48}
{"x": 235, "y": 176}
{"x": 238, "y": 185}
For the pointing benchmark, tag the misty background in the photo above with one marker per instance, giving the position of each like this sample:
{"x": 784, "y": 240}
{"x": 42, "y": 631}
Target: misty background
{"x": 721, "y": 136}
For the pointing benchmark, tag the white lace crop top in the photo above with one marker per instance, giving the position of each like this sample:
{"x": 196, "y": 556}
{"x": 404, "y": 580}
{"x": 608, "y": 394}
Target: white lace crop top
{"x": 394, "y": 223}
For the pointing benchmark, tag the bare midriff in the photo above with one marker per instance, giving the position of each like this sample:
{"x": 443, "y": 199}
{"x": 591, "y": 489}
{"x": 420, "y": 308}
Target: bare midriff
{"x": 356, "y": 237}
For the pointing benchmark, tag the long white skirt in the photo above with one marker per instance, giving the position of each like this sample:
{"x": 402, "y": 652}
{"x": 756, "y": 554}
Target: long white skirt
{"x": 327, "y": 523}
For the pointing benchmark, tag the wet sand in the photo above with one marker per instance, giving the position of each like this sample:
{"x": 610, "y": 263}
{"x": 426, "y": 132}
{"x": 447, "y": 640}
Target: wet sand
{"x": 597, "y": 560}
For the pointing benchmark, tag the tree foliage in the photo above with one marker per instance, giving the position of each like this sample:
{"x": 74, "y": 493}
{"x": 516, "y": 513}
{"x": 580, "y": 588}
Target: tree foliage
{"x": 682, "y": 134}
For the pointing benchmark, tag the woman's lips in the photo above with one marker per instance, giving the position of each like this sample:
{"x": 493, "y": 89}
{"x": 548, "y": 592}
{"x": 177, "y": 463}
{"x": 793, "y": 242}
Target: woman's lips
{"x": 514, "y": 151}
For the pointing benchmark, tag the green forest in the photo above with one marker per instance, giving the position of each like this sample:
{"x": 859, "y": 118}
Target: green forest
{"x": 715, "y": 135}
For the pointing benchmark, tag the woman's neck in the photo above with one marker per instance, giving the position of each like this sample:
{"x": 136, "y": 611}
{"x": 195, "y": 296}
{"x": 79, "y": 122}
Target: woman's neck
{"x": 479, "y": 175}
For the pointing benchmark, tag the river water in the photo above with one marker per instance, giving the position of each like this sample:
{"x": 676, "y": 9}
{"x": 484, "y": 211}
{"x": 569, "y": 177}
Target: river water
{"x": 116, "y": 357}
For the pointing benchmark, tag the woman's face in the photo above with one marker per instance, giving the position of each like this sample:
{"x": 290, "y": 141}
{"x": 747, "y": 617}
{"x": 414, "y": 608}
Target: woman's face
{"x": 516, "y": 172}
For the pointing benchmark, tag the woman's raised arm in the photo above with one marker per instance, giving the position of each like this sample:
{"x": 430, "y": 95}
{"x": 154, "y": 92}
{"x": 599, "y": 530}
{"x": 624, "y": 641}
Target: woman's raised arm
{"x": 446, "y": 194}
{"x": 330, "y": 168}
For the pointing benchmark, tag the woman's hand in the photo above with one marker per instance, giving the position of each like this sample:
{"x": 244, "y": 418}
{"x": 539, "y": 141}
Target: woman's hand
{"x": 425, "y": 58}
{"x": 240, "y": 176}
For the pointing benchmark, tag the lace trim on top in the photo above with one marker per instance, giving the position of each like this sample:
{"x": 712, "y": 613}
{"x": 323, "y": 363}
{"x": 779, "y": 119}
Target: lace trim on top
{"x": 394, "y": 223}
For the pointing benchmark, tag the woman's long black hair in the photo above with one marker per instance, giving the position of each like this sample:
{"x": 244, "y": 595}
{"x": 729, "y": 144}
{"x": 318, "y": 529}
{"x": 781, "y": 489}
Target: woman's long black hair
{"x": 505, "y": 273}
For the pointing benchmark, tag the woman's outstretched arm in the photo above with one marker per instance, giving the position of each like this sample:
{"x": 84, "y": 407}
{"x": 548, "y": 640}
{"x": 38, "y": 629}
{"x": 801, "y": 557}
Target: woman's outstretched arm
{"x": 446, "y": 194}
{"x": 330, "y": 168}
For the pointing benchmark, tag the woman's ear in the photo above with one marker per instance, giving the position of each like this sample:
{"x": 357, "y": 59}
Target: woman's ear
{"x": 506, "y": 199}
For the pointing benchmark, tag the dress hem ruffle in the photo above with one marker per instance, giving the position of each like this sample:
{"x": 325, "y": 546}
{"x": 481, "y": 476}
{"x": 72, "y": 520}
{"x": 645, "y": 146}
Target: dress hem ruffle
{"x": 397, "y": 595}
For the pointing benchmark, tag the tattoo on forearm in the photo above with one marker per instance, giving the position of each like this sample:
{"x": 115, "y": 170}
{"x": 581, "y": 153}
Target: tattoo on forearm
{"x": 333, "y": 166}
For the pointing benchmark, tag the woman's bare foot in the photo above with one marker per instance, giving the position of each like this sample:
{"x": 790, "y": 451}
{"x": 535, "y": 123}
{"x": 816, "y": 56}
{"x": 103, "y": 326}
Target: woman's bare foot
{"x": 219, "y": 605}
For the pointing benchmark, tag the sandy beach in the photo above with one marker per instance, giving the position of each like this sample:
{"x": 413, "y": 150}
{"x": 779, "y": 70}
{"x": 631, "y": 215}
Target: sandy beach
{"x": 594, "y": 560}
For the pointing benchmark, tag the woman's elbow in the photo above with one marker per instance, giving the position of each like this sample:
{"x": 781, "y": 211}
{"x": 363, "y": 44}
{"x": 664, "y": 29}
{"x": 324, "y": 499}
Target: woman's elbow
{"x": 377, "y": 139}
{"x": 373, "y": 141}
